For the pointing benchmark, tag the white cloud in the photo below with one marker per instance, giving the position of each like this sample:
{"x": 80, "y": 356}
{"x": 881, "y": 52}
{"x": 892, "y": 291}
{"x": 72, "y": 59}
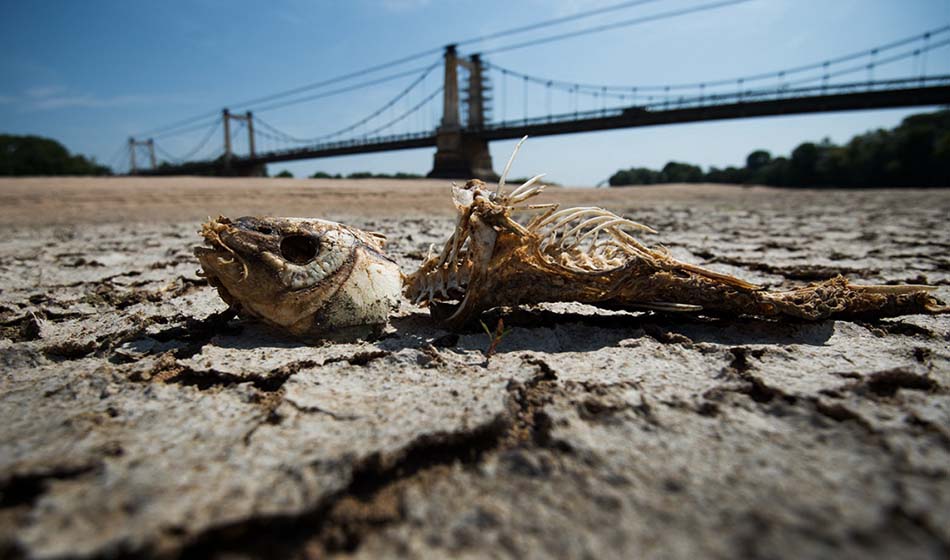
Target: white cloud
{"x": 45, "y": 98}
{"x": 42, "y": 92}
{"x": 86, "y": 101}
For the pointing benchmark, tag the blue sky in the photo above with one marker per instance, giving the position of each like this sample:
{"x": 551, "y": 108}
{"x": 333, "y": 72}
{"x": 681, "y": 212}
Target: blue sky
{"x": 90, "y": 73}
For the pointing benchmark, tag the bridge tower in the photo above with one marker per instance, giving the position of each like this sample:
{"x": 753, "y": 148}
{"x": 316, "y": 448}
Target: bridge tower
{"x": 133, "y": 144}
{"x": 461, "y": 152}
{"x": 253, "y": 170}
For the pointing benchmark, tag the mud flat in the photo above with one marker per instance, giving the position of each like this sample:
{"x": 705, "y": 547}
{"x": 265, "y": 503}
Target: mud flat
{"x": 137, "y": 419}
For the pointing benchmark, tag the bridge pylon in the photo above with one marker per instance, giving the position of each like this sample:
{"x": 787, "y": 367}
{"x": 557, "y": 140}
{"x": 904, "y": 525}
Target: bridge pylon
{"x": 133, "y": 144}
{"x": 462, "y": 153}
{"x": 255, "y": 170}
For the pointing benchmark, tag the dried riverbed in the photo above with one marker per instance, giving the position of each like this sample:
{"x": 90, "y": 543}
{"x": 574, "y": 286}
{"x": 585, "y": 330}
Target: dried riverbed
{"x": 135, "y": 418}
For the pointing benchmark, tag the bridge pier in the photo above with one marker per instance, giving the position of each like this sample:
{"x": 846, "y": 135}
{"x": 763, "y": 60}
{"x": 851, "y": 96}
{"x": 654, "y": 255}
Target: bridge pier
{"x": 462, "y": 153}
{"x": 237, "y": 168}
{"x": 256, "y": 170}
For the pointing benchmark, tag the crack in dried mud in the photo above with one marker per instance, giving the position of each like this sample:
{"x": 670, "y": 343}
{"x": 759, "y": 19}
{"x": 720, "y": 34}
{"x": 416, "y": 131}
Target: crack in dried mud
{"x": 25, "y": 489}
{"x": 372, "y": 499}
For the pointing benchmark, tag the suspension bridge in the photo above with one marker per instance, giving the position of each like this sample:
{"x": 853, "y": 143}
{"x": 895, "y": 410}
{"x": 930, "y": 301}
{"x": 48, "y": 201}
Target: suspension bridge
{"x": 471, "y": 107}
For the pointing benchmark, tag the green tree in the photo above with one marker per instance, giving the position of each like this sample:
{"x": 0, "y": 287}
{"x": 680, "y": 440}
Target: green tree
{"x": 776, "y": 173}
{"x": 915, "y": 153}
{"x": 285, "y": 174}
{"x": 802, "y": 168}
{"x": 634, "y": 176}
{"x": 757, "y": 160}
{"x": 833, "y": 167}
{"x": 35, "y": 155}
{"x": 676, "y": 172}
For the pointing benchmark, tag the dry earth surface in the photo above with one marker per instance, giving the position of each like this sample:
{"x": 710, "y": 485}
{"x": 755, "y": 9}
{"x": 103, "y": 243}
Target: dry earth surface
{"x": 138, "y": 419}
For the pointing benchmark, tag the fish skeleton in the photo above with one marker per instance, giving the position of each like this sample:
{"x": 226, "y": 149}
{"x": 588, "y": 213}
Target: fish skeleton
{"x": 591, "y": 255}
{"x": 302, "y": 275}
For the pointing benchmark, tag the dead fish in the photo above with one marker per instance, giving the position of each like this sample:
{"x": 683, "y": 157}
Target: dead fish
{"x": 591, "y": 255}
{"x": 302, "y": 275}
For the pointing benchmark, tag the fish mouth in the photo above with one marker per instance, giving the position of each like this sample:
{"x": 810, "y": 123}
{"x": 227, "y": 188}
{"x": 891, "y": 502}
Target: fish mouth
{"x": 213, "y": 244}
{"x": 216, "y": 254}
{"x": 209, "y": 249}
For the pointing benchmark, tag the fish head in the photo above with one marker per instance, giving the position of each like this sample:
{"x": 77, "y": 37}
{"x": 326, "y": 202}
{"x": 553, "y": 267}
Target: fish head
{"x": 299, "y": 274}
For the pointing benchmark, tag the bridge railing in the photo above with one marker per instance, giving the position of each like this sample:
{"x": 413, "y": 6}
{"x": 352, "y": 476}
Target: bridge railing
{"x": 777, "y": 94}
{"x": 326, "y": 146}
{"x": 726, "y": 98}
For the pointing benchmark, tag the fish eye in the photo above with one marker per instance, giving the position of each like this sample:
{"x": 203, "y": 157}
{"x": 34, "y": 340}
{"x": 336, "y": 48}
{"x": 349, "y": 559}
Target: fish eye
{"x": 299, "y": 249}
{"x": 253, "y": 224}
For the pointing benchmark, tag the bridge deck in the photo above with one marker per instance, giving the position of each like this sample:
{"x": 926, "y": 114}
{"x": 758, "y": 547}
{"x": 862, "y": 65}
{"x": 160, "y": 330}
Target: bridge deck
{"x": 730, "y": 106}
{"x": 637, "y": 117}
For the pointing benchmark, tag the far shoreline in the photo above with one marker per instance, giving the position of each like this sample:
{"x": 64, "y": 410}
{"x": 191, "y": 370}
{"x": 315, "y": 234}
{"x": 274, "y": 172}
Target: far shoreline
{"x": 36, "y": 201}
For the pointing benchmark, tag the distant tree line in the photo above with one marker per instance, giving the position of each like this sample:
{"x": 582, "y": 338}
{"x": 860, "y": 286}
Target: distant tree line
{"x": 286, "y": 174}
{"x": 367, "y": 175}
{"x": 914, "y": 154}
{"x": 35, "y": 155}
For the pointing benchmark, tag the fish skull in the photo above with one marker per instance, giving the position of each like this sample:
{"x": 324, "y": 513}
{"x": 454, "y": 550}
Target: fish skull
{"x": 302, "y": 275}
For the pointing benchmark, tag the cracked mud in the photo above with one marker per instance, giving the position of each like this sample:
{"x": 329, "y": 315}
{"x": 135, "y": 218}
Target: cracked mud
{"x": 138, "y": 417}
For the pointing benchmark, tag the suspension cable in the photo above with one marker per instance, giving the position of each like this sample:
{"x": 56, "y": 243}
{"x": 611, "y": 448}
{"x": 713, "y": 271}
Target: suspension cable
{"x": 561, "y": 84}
{"x": 200, "y": 126}
{"x": 555, "y": 21}
{"x": 616, "y": 25}
{"x": 391, "y": 103}
{"x": 191, "y": 153}
{"x": 877, "y": 63}
{"x": 338, "y": 91}
{"x": 403, "y": 116}
{"x": 249, "y": 103}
